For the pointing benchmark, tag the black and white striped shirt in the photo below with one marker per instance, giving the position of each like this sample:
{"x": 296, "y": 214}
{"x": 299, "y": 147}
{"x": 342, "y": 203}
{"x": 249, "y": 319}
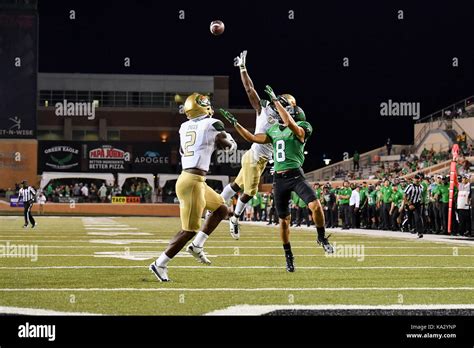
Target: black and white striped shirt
{"x": 413, "y": 193}
{"x": 27, "y": 194}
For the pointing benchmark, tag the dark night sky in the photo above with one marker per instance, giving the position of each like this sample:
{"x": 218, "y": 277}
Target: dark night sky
{"x": 407, "y": 61}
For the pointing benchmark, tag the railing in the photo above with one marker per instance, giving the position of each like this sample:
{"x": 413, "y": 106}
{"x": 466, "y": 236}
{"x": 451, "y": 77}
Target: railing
{"x": 440, "y": 114}
{"x": 443, "y": 124}
{"x": 457, "y": 128}
{"x": 327, "y": 172}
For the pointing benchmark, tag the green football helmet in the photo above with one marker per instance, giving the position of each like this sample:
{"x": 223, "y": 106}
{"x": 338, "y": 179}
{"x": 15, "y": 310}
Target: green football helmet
{"x": 297, "y": 113}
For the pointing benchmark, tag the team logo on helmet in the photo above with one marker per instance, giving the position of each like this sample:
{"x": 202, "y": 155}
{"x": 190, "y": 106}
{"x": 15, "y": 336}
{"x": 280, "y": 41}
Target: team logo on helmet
{"x": 202, "y": 100}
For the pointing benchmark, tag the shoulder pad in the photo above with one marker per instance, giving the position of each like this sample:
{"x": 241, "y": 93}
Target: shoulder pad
{"x": 264, "y": 103}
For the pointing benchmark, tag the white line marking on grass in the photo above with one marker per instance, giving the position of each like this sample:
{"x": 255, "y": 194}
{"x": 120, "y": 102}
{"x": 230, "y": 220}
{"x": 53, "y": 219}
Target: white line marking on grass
{"x": 87, "y": 240}
{"x": 157, "y": 253}
{"x": 106, "y": 225}
{"x": 240, "y": 247}
{"x": 165, "y": 289}
{"x": 161, "y": 241}
{"x": 114, "y": 234}
{"x": 263, "y": 309}
{"x": 38, "y": 311}
{"x": 111, "y": 228}
{"x": 379, "y": 233}
{"x": 242, "y": 267}
{"x": 129, "y": 241}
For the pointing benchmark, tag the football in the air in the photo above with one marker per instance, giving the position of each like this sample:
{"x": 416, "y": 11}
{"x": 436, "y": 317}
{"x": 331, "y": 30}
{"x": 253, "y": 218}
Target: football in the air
{"x": 217, "y": 27}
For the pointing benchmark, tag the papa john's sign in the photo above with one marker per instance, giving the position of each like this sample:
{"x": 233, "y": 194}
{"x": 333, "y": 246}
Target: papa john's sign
{"x": 108, "y": 157}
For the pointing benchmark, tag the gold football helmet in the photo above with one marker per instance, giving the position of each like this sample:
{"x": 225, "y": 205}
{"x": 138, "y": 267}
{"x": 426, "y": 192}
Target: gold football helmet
{"x": 291, "y": 100}
{"x": 197, "y": 105}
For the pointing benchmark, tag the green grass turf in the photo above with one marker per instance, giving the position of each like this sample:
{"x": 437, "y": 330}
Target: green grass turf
{"x": 65, "y": 242}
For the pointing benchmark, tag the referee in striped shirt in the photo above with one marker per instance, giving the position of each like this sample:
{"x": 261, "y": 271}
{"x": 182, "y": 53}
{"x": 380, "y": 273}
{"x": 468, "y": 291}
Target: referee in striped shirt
{"x": 27, "y": 194}
{"x": 413, "y": 199}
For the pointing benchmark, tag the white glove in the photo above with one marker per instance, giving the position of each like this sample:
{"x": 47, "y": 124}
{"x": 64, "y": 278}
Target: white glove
{"x": 233, "y": 147}
{"x": 240, "y": 60}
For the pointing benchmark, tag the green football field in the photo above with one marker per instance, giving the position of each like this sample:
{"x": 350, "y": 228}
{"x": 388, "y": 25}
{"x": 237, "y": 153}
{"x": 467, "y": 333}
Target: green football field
{"x": 100, "y": 265}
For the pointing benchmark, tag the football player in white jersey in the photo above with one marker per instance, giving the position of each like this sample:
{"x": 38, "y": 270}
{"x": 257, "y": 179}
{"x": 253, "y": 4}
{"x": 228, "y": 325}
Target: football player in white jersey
{"x": 199, "y": 136}
{"x": 254, "y": 160}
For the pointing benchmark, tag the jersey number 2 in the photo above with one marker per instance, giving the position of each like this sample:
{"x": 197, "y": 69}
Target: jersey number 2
{"x": 189, "y": 143}
{"x": 280, "y": 151}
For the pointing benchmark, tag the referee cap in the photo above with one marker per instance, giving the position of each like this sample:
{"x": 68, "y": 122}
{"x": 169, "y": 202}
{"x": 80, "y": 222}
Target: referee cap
{"x": 24, "y": 182}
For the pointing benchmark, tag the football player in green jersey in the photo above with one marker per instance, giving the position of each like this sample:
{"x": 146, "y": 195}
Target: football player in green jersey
{"x": 288, "y": 138}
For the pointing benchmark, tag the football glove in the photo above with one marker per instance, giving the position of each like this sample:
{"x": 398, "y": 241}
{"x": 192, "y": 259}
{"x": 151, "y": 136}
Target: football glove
{"x": 228, "y": 116}
{"x": 240, "y": 60}
{"x": 270, "y": 93}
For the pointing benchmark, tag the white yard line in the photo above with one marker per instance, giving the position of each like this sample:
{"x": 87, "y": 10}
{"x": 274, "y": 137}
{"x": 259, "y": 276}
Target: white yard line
{"x": 111, "y": 228}
{"x": 247, "y": 247}
{"x": 157, "y": 253}
{"x": 210, "y": 241}
{"x": 114, "y": 234}
{"x": 379, "y": 233}
{"x": 105, "y": 225}
{"x": 166, "y": 289}
{"x": 242, "y": 267}
{"x": 38, "y": 311}
{"x": 264, "y": 309}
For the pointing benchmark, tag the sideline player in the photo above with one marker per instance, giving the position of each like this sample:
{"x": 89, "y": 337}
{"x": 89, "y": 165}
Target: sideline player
{"x": 288, "y": 138}
{"x": 199, "y": 136}
{"x": 256, "y": 158}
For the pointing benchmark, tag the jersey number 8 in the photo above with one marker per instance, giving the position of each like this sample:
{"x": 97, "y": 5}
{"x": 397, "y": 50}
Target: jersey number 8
{"x": 280, "y": 151}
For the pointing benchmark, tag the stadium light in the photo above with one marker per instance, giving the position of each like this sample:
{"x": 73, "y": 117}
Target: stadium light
{"x": 327, "y": 161}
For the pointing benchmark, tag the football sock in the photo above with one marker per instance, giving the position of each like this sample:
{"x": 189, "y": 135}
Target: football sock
{"x": 287, "y": 248}
{"x": 227, "y": 193}
{"x": 239, "y": 208}
{"x": 200, "y": 239}
{"x": 162, "y": 261}
{"x": 321, "y": 232}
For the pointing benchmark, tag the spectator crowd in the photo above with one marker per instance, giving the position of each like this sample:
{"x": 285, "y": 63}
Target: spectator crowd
{"x": 383, "y": 205}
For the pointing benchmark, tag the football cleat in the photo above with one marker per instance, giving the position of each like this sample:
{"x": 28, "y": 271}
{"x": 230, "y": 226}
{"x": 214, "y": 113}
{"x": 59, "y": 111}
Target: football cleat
{"x": 420, "y": 235}
{"x": 25, "y": 226}
{"x": 33, "y": 226}
{"x": 160, "y": 272}
{"x": 290, "y": 263}
{"x": 198, "y": 254}
{"x": 234, "y": 227}
{"x": 326, "y": 245}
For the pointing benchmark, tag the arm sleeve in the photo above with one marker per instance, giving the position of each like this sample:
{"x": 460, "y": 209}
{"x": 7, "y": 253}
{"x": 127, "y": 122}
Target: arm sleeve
{"x": 218, "y": 126}
{"x": 308, "y": 129}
